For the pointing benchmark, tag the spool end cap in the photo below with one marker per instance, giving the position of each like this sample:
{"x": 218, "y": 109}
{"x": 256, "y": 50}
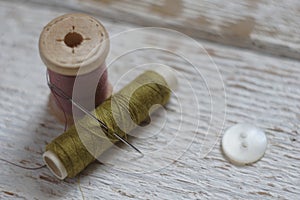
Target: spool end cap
{"x": 55, "y": 165}
{"x": 168, "y": 74}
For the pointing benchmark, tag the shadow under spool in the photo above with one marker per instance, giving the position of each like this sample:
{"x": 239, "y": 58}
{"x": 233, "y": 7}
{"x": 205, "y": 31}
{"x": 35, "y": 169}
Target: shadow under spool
{"x": 74, "y": 47}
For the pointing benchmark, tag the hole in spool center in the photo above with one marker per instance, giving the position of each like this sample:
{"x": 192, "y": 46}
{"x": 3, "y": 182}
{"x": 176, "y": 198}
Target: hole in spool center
{"x": 53, "y": 166}
{"x": 73, "y": 39}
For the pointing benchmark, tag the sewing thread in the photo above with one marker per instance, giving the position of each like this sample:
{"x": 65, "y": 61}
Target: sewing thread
{"x": 121, "y": 113}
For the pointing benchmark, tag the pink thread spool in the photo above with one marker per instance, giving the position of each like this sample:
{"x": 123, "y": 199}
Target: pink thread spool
{"x": 69, "y": 43}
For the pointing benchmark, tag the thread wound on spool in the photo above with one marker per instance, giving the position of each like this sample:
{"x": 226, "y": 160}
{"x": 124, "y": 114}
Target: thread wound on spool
{"x": 71, "y": 42}
{"x": 85, "y": 141}
{"x": 86, "y": 89}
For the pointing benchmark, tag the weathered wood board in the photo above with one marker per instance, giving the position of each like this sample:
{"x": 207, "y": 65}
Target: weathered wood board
{"x": 270, "y": 26}
{"x": 258, "y": 89}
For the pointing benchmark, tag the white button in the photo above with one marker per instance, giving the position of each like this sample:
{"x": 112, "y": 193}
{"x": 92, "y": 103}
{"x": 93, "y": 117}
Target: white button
{"x": 244, "y": 144}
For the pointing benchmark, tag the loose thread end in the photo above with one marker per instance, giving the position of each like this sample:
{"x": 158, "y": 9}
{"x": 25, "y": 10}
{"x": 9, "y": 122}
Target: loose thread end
{"x": 55, "y": 165}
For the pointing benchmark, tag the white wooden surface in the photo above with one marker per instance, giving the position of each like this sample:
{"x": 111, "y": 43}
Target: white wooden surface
{"x": 260, "y": 89}
{"x": 270, "y": 26}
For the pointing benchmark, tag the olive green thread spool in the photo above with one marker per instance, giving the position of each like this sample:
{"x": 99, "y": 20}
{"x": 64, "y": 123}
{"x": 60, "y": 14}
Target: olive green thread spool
{"x": 67, "y": 155}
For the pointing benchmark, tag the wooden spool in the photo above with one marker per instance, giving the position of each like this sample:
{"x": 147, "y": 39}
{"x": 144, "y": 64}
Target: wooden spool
{"x": 72, "y": 42}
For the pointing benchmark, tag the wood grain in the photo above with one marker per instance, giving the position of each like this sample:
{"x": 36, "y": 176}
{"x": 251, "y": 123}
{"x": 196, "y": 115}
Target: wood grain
{"x": 270, "y": 26}
{"x": 259, "y": 89}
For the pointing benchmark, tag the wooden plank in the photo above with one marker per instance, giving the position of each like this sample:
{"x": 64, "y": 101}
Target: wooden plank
{"x": 268, "y": 26}
{"x": 260, "y": 89}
